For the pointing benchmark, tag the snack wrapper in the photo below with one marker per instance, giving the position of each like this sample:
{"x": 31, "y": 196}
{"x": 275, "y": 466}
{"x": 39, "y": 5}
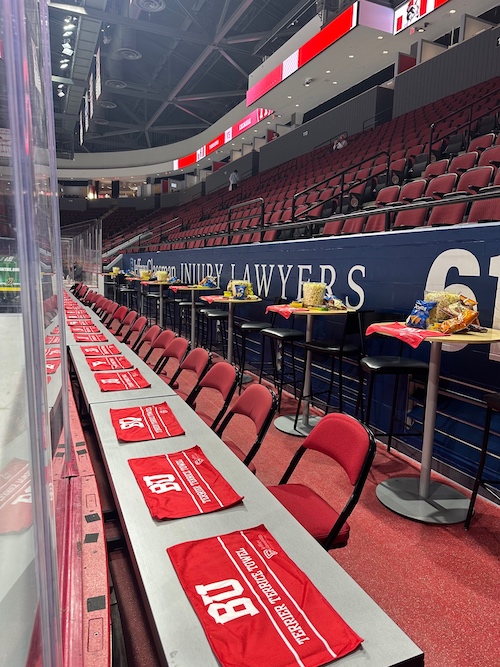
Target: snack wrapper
{"x": 420, "y": 315}
{"x": 459, "y": 323}
{"x": 240, "y": 292}
{"x": 209, "y": 281}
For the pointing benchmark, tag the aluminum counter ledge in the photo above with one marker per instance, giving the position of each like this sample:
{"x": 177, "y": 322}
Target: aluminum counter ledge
{"x": 175, "y": 625}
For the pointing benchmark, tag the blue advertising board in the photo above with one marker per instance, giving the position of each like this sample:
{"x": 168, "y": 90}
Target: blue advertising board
{"x": 382, "y": 272}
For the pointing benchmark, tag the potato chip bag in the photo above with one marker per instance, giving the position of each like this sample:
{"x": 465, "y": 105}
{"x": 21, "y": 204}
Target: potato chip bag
{"x": 419, "y": 316}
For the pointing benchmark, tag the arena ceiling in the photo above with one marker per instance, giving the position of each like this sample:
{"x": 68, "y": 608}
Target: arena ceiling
{"x": 170, "y": 68}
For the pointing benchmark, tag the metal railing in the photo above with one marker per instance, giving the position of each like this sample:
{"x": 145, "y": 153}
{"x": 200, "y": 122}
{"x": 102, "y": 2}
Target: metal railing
{"x": 342, "y": 174}
{"x": 467, "y": 124}
{"x": 306, "y": 225}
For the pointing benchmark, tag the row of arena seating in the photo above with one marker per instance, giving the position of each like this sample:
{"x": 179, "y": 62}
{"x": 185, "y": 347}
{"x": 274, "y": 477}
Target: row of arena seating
{"x": 324, "y": 182}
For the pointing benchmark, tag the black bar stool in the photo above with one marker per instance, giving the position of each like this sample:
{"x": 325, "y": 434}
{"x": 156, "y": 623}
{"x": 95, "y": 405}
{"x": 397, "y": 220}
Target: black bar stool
{"x": 378, "y": 365}
{"x": 492, "y": 404}
{"x": 219, "y": 318}
{"x": 278, "y": 337}
{"x": 347, "y": 343}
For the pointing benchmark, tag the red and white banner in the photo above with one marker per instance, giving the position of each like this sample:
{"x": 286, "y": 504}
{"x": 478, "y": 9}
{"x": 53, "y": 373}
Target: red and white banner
{"x": 15, "y": 497}
{"x": 116, "y": 363}
{"x": 182, "y": 484}
{"x": 330, "y": 34}
{"x": 121, "y": 381}
{"x": 238, "y": 128}
{"x": 147, "y": 422}
{"x": 413, "y": 10}
{"x": 256, "y": 606}
{"x": 99, "y": 350}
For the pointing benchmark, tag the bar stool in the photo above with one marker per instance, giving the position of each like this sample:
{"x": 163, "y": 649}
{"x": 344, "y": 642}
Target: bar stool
{"x": 185, "y": 315}
{"x": 378, "y": 365}
{"x": 278, "y": 338}
{"x": 347, "y": 344}
{"x": 217, "y": 317}
{"x": 130, "y": 294}
{"x": 492, "y": 404}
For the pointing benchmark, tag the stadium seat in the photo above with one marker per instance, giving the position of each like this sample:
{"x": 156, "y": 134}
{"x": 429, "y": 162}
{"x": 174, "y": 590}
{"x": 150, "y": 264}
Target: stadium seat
{"x": 352, "y": 446}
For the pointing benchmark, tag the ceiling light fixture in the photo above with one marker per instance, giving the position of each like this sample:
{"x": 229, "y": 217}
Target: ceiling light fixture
{"x": 385, "y": 51}
{"x": 351, "y": 56}
{"x": 380, "y": 37}
{"x": 328, "y": 71}
{"x": 453, "y": 11}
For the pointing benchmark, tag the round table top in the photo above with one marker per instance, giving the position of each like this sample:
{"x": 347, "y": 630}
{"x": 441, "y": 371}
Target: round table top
{"x": 467, "y": 338}
{"x": 191, "y": 288}
{"x": 225, "y": 299}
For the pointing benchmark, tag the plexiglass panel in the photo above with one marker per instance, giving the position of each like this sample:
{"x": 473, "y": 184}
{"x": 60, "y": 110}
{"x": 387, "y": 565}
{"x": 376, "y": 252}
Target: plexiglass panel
{"x": 30, "y": 291}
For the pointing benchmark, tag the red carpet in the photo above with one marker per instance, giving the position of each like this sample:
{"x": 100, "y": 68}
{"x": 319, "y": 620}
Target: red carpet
{"x": 439, "y": 584}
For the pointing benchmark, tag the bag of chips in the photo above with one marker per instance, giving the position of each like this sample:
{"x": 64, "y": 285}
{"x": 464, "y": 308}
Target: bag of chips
{"x": 460, "y": 322}
{"x": 240, "y": 292}
{"x": 209, "y": 281}
{"x": 419, "y": 318}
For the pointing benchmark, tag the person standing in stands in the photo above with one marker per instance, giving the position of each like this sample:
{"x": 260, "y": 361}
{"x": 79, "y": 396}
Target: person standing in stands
{"x": 233, "y": 180}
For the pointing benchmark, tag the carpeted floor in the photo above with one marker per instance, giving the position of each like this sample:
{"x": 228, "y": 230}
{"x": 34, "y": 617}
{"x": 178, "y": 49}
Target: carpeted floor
{"x": 440, "y": 584}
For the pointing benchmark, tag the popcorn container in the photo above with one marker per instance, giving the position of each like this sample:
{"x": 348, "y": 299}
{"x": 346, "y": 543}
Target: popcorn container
{"x": 313, "y": 294}
{"x": 162, "y": 276}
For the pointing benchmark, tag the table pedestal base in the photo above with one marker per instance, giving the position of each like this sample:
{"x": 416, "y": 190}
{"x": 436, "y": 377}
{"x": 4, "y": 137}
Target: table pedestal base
{"x": 445, "y": 505}
{"x": 286, "y": 423}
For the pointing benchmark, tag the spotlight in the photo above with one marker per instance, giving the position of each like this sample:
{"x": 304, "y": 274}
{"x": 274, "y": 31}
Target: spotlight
{"x": 68, "y": 33}
{"x": 67, "y": 50}
{"x": 307, "y": 82}
{"x": 61, "y": 93}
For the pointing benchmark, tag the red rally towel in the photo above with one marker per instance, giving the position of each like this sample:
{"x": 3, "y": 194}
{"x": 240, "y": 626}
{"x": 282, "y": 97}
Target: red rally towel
{"x": 99, "y": 350}
{"x": 256, "y": 606}
{"x": 407, "y": 334}
{"x": 121, "y": 381}
{"x": 182, "y": 484}
{"x": 53, "y": 353}
{"x": 108, "y": 363}
{"x": 90, "y": 338}
{"x": 146, "y": 422}
{"x": 78, "y": 328}
{"x": 52, "y": 366}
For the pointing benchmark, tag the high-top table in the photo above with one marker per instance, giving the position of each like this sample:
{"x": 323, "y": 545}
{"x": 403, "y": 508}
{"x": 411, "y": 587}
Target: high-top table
{"x": 230, "y": 320}
{"x": 286, "y": 423}
{"x": 161, "y": 285}
{"x": 194, "y": 289}
{"x": 178, "y": 633}
{"x": 420, "y": 498}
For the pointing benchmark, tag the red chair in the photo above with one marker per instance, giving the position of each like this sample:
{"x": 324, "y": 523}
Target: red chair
{"x": 352, "y": 446}
{"x": 117, "y": 318}
{"x": 198, "y": 361}
{"x": 259, "y": 404}
{"x": 462, "y": 163}
{"x": 491, "y": 156}
{"x": 222, "y": 378}
{"x": 177, "y": 349}
{"x": 470, "y": 183}
{"x": 485, "y": 211}
{"x": 436, "y": 189}
{"x": 435, "y": 169}
{"x": 127, "y": 321}
{"x": 138, "y": 327}
{"x": 149, "y": 337}
{"x": 479, "y": 144}
{"x": 377, "y": 221}
{"x": 160, "y": 343}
